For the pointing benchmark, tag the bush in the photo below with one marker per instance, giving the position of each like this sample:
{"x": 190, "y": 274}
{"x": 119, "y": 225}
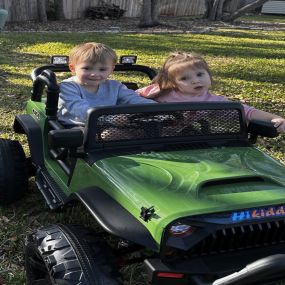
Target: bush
{"x": 104, "y": 11}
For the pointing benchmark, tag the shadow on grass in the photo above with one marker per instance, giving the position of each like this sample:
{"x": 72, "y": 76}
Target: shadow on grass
{"x": 250, "y": 74}
{"x": 150, "y": 44}
{"x": 242, "y": 34}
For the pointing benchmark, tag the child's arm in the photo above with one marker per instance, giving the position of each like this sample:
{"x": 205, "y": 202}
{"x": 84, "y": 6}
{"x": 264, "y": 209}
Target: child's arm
{"x": 150, "y": 91}
{"x": 128, "y": 96}
{"x": 279, "y": 122}
{"x": 72, "y": 107}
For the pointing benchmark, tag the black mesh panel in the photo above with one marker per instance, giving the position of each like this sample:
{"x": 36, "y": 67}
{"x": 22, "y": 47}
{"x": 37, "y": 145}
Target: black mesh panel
{"x": 120, "y": 127}
{"x": 123, "y": 126}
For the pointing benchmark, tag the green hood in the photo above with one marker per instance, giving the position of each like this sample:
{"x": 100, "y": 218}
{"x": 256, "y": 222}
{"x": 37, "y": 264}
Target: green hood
{"x": 192, "y": 182}
{"x": 197, "y": 181}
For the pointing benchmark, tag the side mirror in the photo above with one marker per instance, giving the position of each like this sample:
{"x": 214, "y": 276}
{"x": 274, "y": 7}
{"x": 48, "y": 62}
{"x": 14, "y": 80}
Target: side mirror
{"x": 67, "y": 138}
{"x": 261, "y": 128}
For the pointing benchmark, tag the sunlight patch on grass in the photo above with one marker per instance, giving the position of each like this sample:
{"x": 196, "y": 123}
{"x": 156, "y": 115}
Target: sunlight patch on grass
{"x": 47, "y": 48}
{"x": 20, "y": 81}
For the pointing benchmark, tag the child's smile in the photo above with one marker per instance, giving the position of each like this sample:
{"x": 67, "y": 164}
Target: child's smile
{"x": 91, "y": 75}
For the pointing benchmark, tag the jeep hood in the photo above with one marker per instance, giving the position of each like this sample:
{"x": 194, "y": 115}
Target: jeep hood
{"x": 196, "y": 181}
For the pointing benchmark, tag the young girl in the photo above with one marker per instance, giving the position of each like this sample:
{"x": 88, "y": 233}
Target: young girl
{"x": 185, "y": 77}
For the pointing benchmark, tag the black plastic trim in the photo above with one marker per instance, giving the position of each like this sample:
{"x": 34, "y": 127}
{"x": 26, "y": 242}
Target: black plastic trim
{"x": 118, "y": 67}
{"x": 136, "y": 67}
{"x": 55, "y": 68}
{"x": 204, "y": 271}
{"x": 52, "y": 193}
{"x": 114, "y": 218}
{"x": 27, "y": 125}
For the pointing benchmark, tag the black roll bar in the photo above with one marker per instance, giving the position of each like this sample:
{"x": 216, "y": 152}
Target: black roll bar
{"x": 47, "y": 79}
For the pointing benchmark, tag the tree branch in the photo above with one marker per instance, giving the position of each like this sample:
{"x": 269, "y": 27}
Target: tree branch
{"x": 244, "y": 9}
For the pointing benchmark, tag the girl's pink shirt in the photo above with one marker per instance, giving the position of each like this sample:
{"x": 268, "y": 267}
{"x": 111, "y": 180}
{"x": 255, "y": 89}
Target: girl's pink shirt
{"x": 153, "y": 90}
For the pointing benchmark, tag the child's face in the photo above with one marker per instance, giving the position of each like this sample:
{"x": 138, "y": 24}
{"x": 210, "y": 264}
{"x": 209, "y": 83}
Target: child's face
{"x": 193, "y": 81}
{"x": 91, "y": 75}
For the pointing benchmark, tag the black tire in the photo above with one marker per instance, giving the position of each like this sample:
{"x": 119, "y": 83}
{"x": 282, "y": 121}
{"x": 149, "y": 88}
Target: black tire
{"x": 68, "y": 255}
{"x": 13, "y": 171}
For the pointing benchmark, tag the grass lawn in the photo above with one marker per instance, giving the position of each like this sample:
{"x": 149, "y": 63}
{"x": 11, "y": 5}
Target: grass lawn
{"x": 264, "y": 18}
{"x": 247, "y": 65}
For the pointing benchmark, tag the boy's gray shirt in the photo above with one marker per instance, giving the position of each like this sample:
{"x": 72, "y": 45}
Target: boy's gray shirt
{"x": 75, "y": 100}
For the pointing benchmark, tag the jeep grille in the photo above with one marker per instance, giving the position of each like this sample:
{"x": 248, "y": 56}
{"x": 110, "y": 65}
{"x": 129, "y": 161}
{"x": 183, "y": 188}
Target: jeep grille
{"x": 240, "y": 238}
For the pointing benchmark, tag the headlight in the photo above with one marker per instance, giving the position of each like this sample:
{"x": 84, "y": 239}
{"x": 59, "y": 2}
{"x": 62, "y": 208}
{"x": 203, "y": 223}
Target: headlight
{"x": 181, "y": 230}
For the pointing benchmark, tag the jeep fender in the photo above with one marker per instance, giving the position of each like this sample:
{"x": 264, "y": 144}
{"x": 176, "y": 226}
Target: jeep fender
{"x": 114, "y": 218}
{"x": 25, "y": 124}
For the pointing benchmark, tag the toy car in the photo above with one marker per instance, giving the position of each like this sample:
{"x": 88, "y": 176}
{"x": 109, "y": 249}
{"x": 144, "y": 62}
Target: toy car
{"x": 180, "y": 187}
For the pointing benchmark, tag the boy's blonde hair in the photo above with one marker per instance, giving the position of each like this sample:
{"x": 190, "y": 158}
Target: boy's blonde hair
{"x": 92, "y": 52}
{"x": 176, "y": 62}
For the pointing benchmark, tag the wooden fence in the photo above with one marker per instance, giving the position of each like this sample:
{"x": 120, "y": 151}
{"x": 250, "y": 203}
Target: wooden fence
{"x": 20, "y": 10}
{"x": 73, "y": 9}
{"x": 23, "y": 10}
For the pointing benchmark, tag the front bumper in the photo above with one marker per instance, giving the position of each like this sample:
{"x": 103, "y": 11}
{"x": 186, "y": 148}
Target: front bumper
{"x": 204, "y": 270}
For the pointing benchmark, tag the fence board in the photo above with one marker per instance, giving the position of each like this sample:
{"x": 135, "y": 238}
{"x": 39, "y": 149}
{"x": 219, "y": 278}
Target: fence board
{"x": 33, "y": 9}
{"x": 22, "y": 10}
{"x": 185, "y": 8}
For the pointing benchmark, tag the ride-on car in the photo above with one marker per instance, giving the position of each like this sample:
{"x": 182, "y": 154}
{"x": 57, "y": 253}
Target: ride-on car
{"x": 180, "y": 187}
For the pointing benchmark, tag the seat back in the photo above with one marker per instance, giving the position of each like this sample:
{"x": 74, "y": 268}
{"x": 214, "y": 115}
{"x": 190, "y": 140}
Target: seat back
{"x": 148, "y": 126}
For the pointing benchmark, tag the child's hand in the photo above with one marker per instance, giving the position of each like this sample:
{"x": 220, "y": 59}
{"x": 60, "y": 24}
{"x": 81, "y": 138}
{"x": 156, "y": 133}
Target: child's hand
{"x": 150, "y": 91}
{"x": 279, "y": 124}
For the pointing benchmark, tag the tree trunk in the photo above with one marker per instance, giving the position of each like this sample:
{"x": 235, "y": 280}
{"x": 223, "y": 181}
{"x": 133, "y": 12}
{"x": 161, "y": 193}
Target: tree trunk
{"x": 213, "y": 12}
{"x": 208, "y": 5}
{"x": 42, "y": 11}
{"x": 145, "y": 19}
{"x": 215, "y": 9}
{"x": 149, "y": 13}
{"x": 58, "y": 7}
{"x": 243, "y": 10}
{"x": 155, "y": 5}
{"x": 220, "y": 10}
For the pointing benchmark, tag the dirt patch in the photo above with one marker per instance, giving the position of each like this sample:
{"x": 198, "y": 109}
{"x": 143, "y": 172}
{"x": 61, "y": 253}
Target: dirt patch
{"x": 168, "y": 25}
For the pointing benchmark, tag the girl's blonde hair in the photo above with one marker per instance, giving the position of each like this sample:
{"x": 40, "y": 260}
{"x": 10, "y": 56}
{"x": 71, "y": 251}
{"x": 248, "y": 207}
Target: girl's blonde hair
{"x": 92, "y": 52}
{"x": 176, "y": 62}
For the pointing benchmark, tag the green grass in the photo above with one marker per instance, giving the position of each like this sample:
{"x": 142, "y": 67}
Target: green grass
{"x": 264, "y": 18}
{"x": 246, "y": 65}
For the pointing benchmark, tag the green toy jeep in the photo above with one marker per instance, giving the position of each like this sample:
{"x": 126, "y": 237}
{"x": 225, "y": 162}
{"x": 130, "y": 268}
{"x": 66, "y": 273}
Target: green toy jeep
{"x": 179, "y": 187}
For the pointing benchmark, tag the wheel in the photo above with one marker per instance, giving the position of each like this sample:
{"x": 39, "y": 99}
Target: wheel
{"x": 67, "y": 255}
{"x": 13, "y": 171}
